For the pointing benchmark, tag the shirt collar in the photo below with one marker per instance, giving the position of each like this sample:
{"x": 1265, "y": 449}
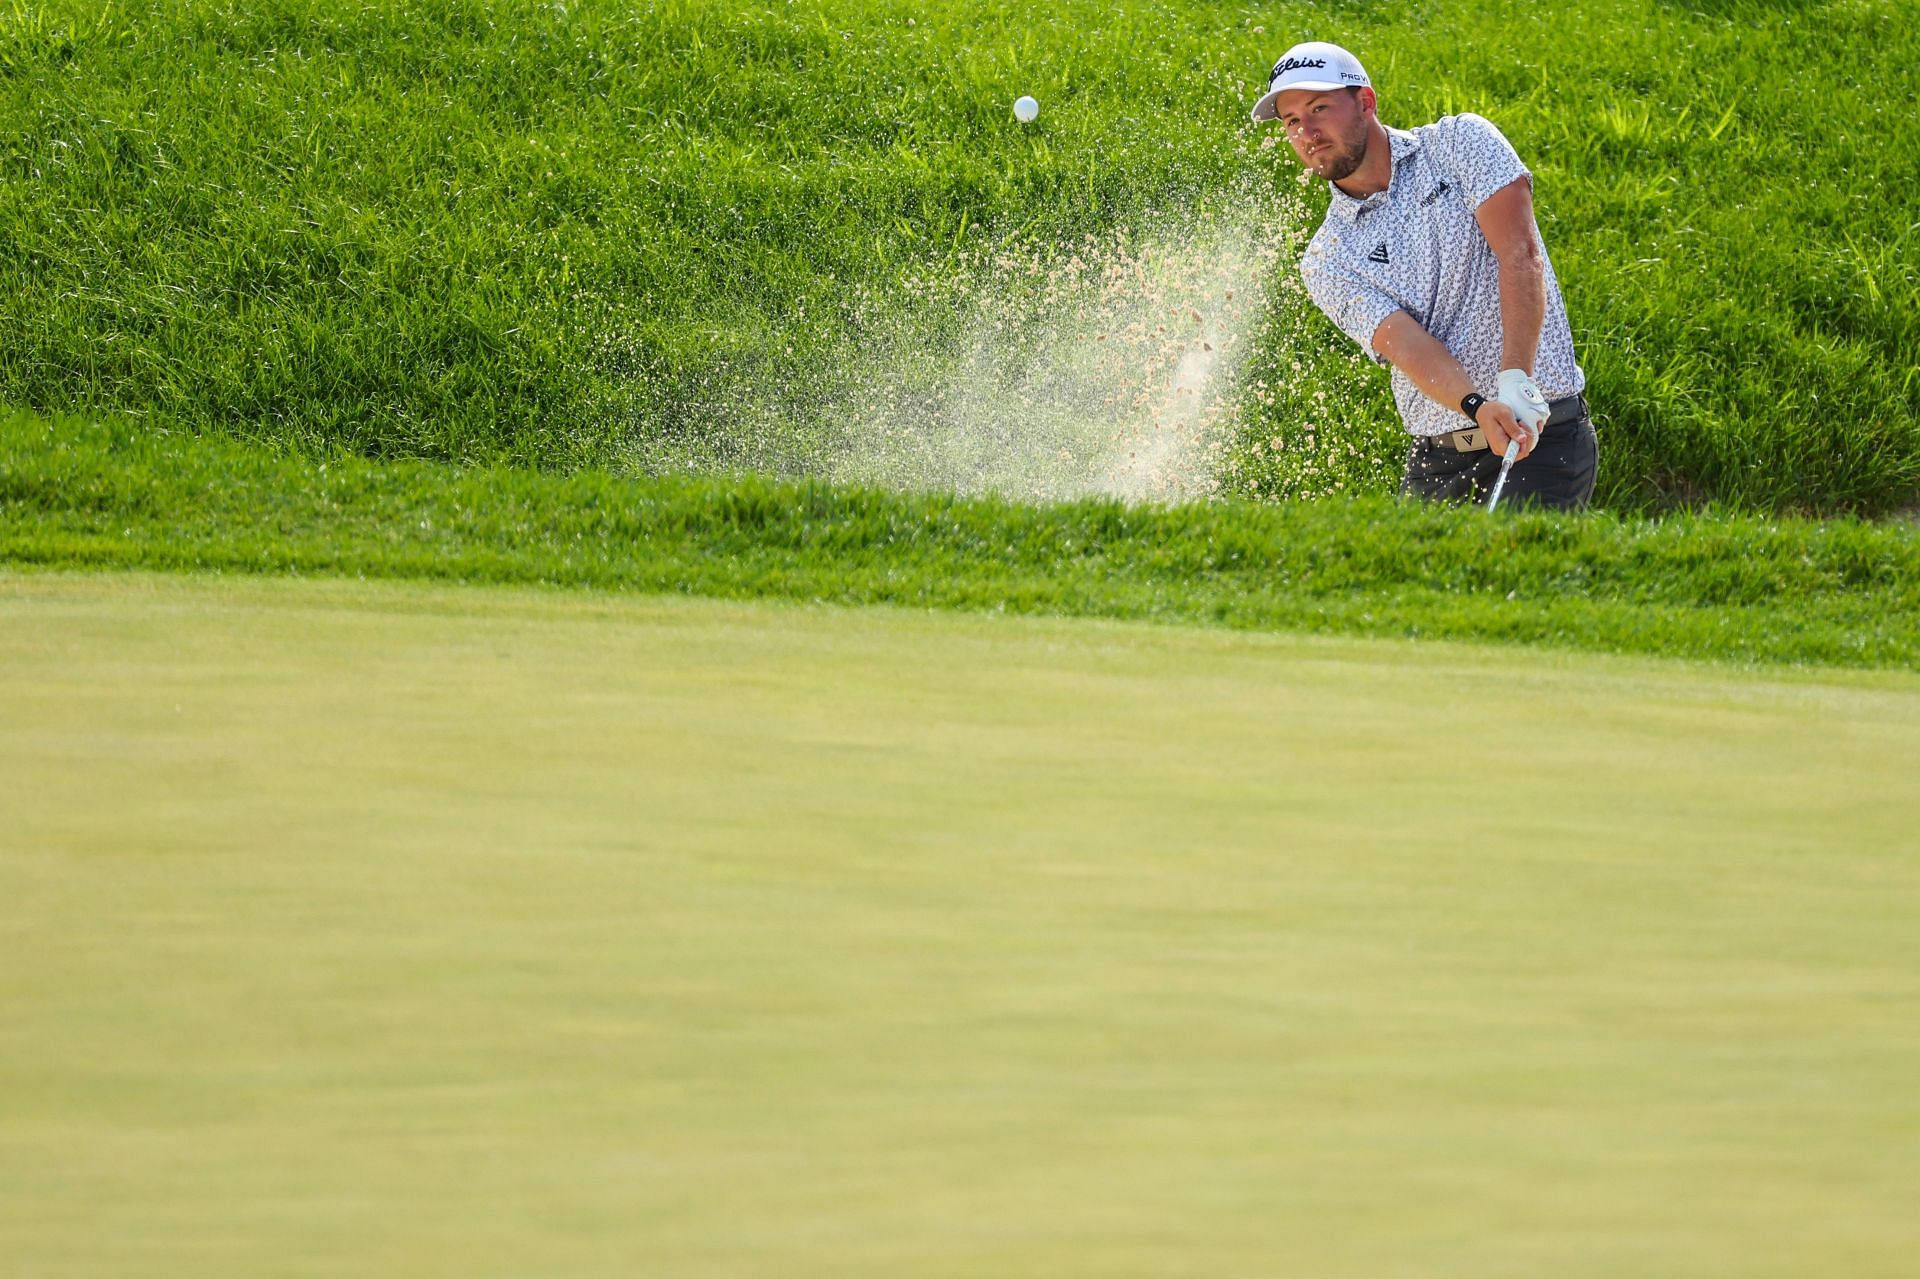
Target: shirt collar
{"x": 1402, "y": 146}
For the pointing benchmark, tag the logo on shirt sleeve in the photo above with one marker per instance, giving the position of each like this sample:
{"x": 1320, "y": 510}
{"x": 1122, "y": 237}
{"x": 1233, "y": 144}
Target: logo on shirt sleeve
{"x": 1379, "y": 253}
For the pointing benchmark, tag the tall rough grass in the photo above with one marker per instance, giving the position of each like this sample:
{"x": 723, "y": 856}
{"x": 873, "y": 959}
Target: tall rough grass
{"x": 689, "y": 234}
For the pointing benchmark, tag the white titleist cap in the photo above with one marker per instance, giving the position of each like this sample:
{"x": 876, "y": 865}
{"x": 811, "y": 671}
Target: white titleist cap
{"x": 1313, "y": 65}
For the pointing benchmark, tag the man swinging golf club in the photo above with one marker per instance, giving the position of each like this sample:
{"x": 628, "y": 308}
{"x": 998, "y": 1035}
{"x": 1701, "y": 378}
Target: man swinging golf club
{"x": 1429, "y": 258}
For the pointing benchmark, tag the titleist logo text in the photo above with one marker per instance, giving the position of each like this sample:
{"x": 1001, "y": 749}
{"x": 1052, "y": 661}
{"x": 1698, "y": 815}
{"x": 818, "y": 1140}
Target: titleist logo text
{"x": 1294, "y": 64}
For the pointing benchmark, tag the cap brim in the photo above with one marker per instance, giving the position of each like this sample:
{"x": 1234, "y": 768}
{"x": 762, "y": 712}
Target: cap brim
{"x": 1264, "y": 109}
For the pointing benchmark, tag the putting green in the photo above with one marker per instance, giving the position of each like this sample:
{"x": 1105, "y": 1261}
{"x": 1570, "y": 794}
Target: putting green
{"x": 386, "y": 930}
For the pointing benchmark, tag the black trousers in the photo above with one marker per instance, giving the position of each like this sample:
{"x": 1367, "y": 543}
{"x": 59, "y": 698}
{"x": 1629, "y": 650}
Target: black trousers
{"x": 1557, "y": 476}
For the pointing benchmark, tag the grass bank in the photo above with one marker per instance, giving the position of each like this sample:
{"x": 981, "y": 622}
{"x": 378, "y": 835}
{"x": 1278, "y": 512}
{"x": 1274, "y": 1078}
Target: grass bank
{"x": 695, "y": 233}
{"x": 1717, "y": 587}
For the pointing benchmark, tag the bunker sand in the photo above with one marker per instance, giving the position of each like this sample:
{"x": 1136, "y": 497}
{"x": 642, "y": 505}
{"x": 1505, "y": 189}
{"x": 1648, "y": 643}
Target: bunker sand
{"x": 381, "y": 929}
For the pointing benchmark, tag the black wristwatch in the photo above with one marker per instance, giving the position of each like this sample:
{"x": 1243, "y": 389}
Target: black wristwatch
{"x": 1471, "y": 406}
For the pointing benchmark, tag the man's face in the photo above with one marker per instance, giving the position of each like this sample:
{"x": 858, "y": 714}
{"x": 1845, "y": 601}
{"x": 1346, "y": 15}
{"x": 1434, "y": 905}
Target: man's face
{"x": 1327, "y": 127}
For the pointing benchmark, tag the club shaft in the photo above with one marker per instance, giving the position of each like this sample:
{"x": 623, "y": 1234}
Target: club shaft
{"x": 1506, "y": 464}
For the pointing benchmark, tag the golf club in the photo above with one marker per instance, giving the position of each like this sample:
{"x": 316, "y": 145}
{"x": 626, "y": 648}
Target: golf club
{"x": 1506, "y": 464}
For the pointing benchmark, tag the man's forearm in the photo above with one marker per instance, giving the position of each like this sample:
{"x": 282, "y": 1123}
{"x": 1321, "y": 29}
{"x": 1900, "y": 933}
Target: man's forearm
{"x": 1523, "y": 311}
{"x": 1506, "y": 220}
{"x": 1424, "y": 358}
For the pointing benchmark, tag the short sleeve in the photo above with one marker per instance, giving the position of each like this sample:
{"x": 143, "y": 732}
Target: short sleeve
{"x": 1355, "y": 306}
{"x": 1477, "y": 154}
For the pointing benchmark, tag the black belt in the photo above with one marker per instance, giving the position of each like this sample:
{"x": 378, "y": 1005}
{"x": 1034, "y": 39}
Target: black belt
{"x": 1473, "y": 439}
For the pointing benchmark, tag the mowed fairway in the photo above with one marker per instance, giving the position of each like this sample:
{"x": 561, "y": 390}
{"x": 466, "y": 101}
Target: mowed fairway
{"x": 358, "y": 929}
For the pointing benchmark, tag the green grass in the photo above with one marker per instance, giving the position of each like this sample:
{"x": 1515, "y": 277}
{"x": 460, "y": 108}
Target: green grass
{"x": 389, "y": 929}
{"x": 1720, "y": 587}
{"x": 599, "y": 234}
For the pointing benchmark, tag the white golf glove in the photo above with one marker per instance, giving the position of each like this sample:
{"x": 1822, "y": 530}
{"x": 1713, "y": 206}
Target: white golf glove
{"x": 1519, "y": 392}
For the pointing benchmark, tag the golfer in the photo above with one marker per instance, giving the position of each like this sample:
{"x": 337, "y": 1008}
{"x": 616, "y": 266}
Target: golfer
{"x": 1429, "y": 258}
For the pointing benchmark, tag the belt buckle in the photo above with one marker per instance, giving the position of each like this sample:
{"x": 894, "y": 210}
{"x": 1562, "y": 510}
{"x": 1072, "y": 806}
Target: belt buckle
{"x": 1471, "y": 440}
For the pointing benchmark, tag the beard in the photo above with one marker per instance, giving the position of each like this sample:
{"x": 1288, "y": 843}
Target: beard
{"x": 1345, "y": 159}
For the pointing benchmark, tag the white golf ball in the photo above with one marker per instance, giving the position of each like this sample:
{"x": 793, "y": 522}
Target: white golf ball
{"x": 1025, "y": 109}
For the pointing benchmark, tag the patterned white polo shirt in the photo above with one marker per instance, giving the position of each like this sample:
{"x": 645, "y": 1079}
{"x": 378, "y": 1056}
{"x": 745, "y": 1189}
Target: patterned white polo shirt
{"x": 1415, "y": 247}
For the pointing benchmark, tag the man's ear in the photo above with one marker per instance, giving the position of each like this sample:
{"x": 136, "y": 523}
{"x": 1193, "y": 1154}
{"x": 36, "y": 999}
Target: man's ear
{"x": 1368, "y": 102}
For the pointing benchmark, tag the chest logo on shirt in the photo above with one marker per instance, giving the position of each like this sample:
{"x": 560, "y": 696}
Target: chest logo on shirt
{"x": 1433, "y": 195}
{"x": 1379, "y": 253}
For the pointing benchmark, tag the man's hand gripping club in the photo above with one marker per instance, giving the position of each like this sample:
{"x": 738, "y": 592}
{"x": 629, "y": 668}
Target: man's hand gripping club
{"x": 1517, "y": 412}
{"x": 1519, "y": 396}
